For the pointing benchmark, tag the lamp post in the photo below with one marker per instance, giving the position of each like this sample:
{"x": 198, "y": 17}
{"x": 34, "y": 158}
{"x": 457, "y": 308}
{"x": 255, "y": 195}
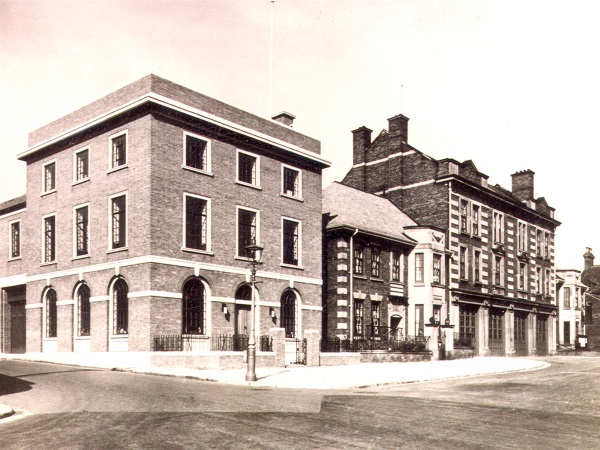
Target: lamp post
{"x": 254, "y": 252}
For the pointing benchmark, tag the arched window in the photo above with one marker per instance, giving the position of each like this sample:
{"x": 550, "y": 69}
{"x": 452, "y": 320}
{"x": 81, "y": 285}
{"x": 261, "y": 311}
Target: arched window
{"x": 83, "y": 310}
{"x": 120, "y": 307}
{"x": 51, "y": 313}
{"x": 193, "y": 320}
{"x": 288, "y": 313}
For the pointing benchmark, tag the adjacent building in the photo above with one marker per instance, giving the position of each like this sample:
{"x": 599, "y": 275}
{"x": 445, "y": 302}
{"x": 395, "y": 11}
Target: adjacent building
{"x": 591, "y": 312}
{"x": 501, "y": 273}
{"x": 569, "y": 299}
{"x": 138, "y": 212}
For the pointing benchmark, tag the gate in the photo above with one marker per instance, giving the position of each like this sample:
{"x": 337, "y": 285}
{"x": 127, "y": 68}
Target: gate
{"x": 495, "y": 335}
{"x": 300, "y": 351}
{"x": 520, "y": 334}
{"x": 541, "y": 335}
{"x": 17, "y": 327}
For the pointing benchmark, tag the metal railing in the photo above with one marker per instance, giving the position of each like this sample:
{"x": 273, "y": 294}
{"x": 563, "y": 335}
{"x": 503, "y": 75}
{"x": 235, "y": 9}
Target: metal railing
{"x": 177, "y": 342}
{"x": 405, "y": 344}
{"x": 239, "y": 343}
{"x": 466, "y": 340}
{"x": 380, "y": 332}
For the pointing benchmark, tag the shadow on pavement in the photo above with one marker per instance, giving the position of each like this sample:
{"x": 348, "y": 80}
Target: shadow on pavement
{"x": 12, "y": 385}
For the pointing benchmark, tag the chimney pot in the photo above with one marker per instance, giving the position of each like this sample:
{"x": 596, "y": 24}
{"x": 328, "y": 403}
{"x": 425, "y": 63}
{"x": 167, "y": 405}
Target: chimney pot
{"x": 588, "y": 258}
{"x": 285, "y": 118}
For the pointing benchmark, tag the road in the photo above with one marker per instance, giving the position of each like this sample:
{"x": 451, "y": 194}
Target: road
{"x": 71, "y": 407}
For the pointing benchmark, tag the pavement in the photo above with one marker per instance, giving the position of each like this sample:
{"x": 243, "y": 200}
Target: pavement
{"x": 297, "y": 377}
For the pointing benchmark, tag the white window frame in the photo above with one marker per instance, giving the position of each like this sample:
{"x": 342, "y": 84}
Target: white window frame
{"x": 475, "y": 231}
{"x": 420, "y": 280}
{"x": 498, "y": 232}
{"x": 110, "y": 231}
{"x": 501, "y": 271}
{"x": 237, "y": 231}
{"x": 477, "y": 266}
{"x": 208, "y": 224}
{"x": 299, "y": 182}
{"x": 44, "y": 238}
{"x": 467, "y": 216}
{"x": 47, "y": 163}
{"x": 400, "y": 266}
{"x": 87, "y": 149}
{"x": 208, "y": 169}
{"x": 75, "y": 208}
{"x": 434, "y": 257}
{"x": 463, "y": 250}
{"x": 256, "y": 183}
{"x": 299, "y": 224}
{"x": 522, "y": 236}
{"x": 111, "y": 313}
{"x": 112, "y": 168}
{"x": 522, "y": 286}
{"x": 10, "y": 240}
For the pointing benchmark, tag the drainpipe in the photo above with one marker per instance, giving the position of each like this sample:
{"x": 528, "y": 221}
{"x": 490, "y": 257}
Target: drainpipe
{"x": 351, "y": 283}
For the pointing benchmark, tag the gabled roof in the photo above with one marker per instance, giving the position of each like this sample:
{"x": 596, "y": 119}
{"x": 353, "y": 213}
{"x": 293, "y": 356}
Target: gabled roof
{"x": 368, "y": 213}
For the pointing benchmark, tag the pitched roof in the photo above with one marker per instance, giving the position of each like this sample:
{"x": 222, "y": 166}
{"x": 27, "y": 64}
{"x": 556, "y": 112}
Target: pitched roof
{"x": 369, "y": 213}
{"x": 13, "y": 205}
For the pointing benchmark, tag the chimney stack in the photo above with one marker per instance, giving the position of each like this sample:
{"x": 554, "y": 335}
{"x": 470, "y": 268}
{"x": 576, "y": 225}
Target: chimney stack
{"x": 285, "y": 118}
{"x": 588, "y": 258}
{"x": 399, "y": 125}
{"x": 522, "y": 184}
{"x": 361, "y": 141}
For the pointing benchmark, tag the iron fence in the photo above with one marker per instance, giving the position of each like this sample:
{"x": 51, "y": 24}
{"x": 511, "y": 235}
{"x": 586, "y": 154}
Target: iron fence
{"x": 219, "y": 342}
{"x": 177, "y": 342}
{"x": 239, "y": 342}
{"x": 404, "y": 344}
{"x": 465, "y": 340}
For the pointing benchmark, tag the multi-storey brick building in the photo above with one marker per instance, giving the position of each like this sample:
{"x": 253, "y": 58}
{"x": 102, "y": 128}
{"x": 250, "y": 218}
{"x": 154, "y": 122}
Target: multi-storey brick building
{"x": 501, "y": 280}
{"x": 139, "y": 209}
{"x": 590, "y": 277}
{"x": 569, "y": 300}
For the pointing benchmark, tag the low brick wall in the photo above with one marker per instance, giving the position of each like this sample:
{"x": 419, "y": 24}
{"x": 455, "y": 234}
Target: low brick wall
{"x": 385, "y": 357}
{"x": 339, "y": 359}
{"x": 211, "y": 360}
{"x": 461, "y": 353}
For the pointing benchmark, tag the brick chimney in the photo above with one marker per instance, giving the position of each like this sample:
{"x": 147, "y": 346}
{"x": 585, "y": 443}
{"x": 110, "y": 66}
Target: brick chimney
{"x": 588, "y": 258}
{"x": 522, "y": 184}
{"x": 361, "y": 141}
{"x": 399, "y": 125}
{"x": 285, "y": 118}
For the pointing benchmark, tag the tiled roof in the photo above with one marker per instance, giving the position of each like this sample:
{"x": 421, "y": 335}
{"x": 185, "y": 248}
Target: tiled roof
{"x": 369, "y": 213}
{"x": 591, "y": 278}
{"x": 12, "y": 205}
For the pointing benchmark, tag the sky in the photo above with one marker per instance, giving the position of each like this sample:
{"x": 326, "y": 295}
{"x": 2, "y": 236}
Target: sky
{"x": 511, "y": 85}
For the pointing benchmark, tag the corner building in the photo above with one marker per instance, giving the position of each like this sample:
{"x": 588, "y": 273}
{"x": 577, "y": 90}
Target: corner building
{"x": 139, "y": 207}
{"x": 501, "y": 278}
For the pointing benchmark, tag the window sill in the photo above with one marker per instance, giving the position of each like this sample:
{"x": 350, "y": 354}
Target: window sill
{"x": 16, "y": 258}
{"x": 197, "y": 251}
{"x": 291, "y": 266}
{"x": 359, "y": 276}
{"x": 50, "y": 339}
{"x": 75, "y": 258}
{"x": 116, "y": 169}
{"x": 119, "y": 336}
{"x": 377, "y": 279}
{"x": 292, "y": 197}
{"x": 50, "y": 263}
{"x": 419, "y": 284}
{"x": 116, "y": 250}
{"x": 195, "y": 170}
{"x": 85, "y": 180}
{"x": 436, "y": 284}
{"x": 83, "y": 338}
{"x": 51, "y": 191}
{"x": 253, "y": 186}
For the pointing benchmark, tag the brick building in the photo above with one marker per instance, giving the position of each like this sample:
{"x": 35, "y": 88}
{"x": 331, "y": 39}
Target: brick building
{"x": 501, "y": 278}
{"x": 139, "y": 208}
{"x": 591, "y": 312}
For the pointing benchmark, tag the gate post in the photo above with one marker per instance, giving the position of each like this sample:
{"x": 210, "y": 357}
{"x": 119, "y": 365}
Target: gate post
{"x": 313, "y": 352}
{"x": 278, "y": 346}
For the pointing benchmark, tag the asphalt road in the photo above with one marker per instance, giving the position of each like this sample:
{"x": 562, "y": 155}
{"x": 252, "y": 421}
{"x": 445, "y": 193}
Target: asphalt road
{"x": 70, "y": 407}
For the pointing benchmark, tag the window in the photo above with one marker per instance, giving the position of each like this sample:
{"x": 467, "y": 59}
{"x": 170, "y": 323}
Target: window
{"x": 291, "y": 242}
{"x": 522, "y": 276}
{"x": 464, "y": 219}
{"x": 359, "y": 318}
{"x": 462, "y": 263}
{"x": 539, "y": 280}
{"x": 118, "y": 150}
{"x": 419, "y": 268}
{"x": 81, "y": 231}
{"x": 248, "y": 168}
{"x": 437, "y": 268}
{"x": 15, "y": 240}
{"x": 396, "y": 266}
{"x": 197, "y": 153}
{"x": 567, "y": 297}
{"x": 522, "y": 236}
{"x": 291, "y": 183}
{"x": 81, "y": 165}
{"x": 467, "y": 323}
{"x": 288, "y": 313}
{"x": 83, "y": 310}
{"x": 247, "y": 230}
{"x": 49, "y": 171}
{"x": 419, "y": 320}
{"x": 547, "y": 245}
{"x": 358, "y": 259}
{"x": 118, "y": 221}
{"x": 120, "y": 305}
{"x": 498, "y": 270}
{"x": 196, "y": 222}
{"x": 51, "y": 314}
{"x": 375, "y": 318}
{"x": 477, "y": 266}
{"x": 538, "y": 243}
{"x": 498, "y": 231}
{"x": 547, "y": 282}
{"x": 475, "y": 220}
{"x": 194, "y": 296}
{"x": 375, "y": 262}
{"x": 49, "y": 239}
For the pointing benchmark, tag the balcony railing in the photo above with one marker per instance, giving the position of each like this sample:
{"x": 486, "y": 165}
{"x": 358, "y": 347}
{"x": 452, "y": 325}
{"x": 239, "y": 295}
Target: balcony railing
{"x": 383, "y": 342}
{"x": 465, "y": 340}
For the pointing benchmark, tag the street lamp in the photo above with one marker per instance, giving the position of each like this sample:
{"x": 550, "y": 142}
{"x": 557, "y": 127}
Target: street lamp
{"x": 254, "y": 252}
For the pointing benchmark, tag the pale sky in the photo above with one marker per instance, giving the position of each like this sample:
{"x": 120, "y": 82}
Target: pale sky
{"x": 511, "y": 85}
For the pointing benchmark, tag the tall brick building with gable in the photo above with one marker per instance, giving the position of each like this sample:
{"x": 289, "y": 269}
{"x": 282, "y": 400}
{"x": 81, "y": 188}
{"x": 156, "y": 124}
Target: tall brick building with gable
{"x": 501, "y": 270}
{"x": 139, "y": 208}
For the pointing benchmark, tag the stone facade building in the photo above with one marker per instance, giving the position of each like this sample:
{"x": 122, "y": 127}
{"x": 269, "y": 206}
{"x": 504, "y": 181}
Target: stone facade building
{"x": 501, "y": 276}
{"x": 139, "y": 208}
{"x": 569, "y": 300}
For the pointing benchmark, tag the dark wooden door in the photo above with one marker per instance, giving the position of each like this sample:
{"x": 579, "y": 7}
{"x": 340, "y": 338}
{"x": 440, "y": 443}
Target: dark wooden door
{"x": 520, "y": 335}
{"x": 17, "y": 327}
{"x": 242, "y": 319}
{"x": 496, "y": 333}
